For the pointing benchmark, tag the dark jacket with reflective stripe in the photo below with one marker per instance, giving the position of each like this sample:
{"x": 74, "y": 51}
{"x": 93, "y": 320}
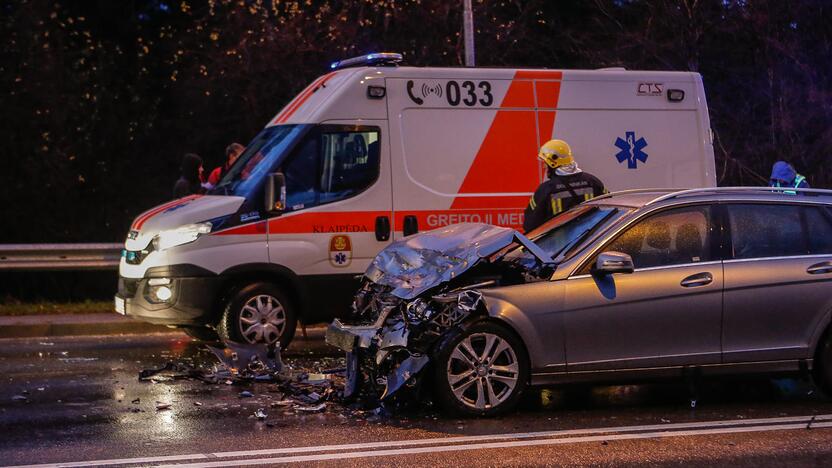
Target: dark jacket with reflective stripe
{"x": 553, "y": 197}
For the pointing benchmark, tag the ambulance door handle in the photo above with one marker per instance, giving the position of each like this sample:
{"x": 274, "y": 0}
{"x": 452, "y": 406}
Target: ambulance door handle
{"x": 411, "y": 225}
{"x": 382, "y": 228}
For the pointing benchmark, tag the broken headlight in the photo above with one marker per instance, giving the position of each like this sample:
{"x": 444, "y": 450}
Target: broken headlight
{"x": 419, "y": 311}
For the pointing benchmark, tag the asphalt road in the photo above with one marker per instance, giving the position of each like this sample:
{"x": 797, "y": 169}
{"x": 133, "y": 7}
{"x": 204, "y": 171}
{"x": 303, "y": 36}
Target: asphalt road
{"x": 85, "y": 406}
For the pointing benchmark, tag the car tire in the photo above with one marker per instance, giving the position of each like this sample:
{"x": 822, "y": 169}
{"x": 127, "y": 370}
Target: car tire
{"x": 259, "y": 313}
{"x": 823, "y": 365}
{"x": 201, "y": 333}
{"x": 482, "y": 384}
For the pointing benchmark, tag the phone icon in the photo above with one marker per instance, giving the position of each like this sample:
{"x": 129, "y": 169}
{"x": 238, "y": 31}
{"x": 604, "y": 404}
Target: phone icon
{"x": 412, "y": 96}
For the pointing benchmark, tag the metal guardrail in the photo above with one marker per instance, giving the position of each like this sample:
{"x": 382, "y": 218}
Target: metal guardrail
{"x": 55, "y": 257}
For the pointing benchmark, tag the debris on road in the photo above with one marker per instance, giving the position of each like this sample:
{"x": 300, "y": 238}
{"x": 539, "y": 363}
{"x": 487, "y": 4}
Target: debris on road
{"x": 303, "y": 388}
{"x": 311, "y": 409}
{"x": 260, "y": 414}
{"x": 160, "y": 406}
{"x": 20, "y": 398}
{"x": 249, "y": 360}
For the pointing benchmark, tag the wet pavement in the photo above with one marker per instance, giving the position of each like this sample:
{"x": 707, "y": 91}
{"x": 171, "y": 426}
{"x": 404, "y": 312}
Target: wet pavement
{"x": 79, "y": 399}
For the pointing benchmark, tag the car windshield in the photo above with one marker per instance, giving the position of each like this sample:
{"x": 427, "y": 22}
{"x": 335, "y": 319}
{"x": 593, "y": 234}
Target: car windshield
{"x": 566, "y": 234}
{"x": 560, "y": 236}
{"x": 263, "y": 154}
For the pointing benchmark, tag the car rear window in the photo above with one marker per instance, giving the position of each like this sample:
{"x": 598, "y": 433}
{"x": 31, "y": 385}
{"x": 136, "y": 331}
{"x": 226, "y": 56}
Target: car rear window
{"x": 767, "y": 230}
{"x": 819, "y": 225}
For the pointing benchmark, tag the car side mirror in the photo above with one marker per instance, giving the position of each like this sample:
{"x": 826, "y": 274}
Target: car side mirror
{"x": 275, "y": 193}
{"x": 612, "y": 262}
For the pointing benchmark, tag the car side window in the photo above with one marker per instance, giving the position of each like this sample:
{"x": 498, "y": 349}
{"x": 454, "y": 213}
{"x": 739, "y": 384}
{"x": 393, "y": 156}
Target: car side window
{"x": 819, "y": 227}
{"x": 673, "y": 237}
{"x": 329, "y": 166}
{"x": 766, "y": 230}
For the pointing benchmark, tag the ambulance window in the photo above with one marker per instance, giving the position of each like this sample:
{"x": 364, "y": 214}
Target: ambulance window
{"x": 332, "y": 165}
{"x": 301, "y": 174}
{"x": 350, "y": 164}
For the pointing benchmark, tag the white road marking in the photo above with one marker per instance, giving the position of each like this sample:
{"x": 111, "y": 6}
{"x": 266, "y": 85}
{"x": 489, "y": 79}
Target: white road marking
{"x": 496, "y": 445}
{"x": 443, "y": 442}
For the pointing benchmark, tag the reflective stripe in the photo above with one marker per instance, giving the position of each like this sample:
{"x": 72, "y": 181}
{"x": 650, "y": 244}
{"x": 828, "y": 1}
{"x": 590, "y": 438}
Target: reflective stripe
{"x": 798, "y": 180}
{"x": 532, "y": 204}
{"x": 557, "y": 205}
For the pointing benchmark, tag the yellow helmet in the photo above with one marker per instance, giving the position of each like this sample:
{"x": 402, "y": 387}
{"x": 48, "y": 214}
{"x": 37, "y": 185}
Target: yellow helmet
{"x": 556, "y": 153}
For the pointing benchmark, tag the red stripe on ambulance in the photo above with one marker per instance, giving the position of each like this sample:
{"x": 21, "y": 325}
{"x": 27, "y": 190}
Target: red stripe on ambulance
{"x": 311, "y": 223}
{"x": 142, "y": 218}
{"x": 432, "y": 219}
{"x": 293, "y": 106}
{"x": 505, "y": 162}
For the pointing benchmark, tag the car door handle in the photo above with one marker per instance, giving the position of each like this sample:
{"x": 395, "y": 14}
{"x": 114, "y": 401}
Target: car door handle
{"x": 699, "y": 279}
{"x": 820, "y": 268}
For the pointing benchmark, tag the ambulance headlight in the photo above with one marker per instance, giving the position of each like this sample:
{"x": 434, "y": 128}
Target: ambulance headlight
{"x": 181, "y": 235}
{"x": 159, "y": 290}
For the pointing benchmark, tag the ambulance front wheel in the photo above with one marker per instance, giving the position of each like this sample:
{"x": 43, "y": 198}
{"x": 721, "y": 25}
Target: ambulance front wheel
{"x": 259, "y": 313}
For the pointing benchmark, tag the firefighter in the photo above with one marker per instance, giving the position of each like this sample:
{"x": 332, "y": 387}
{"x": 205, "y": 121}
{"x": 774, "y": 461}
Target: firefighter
{"x": 784, "y": 175}
{"x": 567, "y": 186}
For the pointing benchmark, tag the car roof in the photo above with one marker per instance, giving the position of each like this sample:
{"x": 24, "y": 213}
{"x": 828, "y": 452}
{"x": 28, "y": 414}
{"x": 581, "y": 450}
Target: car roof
{"x": 657, "y": 197}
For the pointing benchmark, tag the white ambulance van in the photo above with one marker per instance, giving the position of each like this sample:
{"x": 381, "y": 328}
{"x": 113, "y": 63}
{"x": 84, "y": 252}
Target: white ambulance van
{"x": 374, "y": 151}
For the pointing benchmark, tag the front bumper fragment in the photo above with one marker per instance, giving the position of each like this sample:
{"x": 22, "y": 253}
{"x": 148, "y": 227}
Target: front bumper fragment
{"x": 348, "y": 337}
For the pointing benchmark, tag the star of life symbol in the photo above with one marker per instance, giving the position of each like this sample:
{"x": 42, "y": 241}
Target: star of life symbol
{"x": 340, "y": 258}
{"x": 631, "y": 150}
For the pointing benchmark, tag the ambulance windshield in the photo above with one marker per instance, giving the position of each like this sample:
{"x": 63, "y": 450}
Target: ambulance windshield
{"x": 260, "y": 158}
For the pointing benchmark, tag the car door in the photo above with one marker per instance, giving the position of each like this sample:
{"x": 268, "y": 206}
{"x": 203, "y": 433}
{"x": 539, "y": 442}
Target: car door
{"x": 666, "y": 313}
{"x": 777, "y": 281}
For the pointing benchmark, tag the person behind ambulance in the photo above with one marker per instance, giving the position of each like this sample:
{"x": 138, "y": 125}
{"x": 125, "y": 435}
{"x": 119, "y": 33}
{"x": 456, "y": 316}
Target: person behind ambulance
{"x": 232, "y": 152}
{"x": 190, "y": 179}
{"x": 784, "y": 175}
{"x": 567, "y": 186}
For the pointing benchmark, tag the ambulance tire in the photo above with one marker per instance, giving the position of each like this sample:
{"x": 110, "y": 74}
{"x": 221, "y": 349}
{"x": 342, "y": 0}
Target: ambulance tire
{"x": 201, "y": 333}
{"x": 258, "y": 306}
{"x": 823, "y": 365}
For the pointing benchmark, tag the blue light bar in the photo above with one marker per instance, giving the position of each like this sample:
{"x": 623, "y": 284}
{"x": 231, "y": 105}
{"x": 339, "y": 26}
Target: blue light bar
{"x": 379, "y": 58}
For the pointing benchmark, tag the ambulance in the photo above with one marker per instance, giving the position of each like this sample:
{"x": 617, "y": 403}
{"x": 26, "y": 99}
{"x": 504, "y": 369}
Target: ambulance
{"x": 374, "y": 151}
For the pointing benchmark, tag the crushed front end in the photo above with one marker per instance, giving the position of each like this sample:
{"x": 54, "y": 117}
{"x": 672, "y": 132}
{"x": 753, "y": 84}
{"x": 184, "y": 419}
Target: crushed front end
{"x": 415, "y": 293}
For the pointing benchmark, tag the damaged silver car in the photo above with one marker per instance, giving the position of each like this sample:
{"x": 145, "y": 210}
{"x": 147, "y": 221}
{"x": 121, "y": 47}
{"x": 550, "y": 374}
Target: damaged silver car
{"x": 630, "y": 286}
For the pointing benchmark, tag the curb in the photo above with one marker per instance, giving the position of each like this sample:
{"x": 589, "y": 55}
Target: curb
{"x": 43, "y": 326}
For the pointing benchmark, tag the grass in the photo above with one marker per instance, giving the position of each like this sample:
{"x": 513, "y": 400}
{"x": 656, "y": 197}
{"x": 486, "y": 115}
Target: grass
{"x": 15, "y": 308}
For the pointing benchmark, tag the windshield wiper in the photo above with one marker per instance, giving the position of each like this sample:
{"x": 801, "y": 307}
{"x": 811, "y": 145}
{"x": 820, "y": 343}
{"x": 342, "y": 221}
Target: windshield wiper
{"x": 560, "y": 254}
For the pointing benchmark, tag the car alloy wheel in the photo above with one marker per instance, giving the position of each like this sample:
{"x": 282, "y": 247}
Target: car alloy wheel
{"x": 262, "y": 319}
{"x": 483, "y": 371}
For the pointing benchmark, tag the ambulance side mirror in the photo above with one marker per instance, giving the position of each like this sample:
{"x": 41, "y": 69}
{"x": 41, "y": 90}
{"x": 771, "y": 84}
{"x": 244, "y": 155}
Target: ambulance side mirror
{"x": 275, "y": 193}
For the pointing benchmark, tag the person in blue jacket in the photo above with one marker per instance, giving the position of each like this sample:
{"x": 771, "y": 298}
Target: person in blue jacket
{"x": 784, "y": 175}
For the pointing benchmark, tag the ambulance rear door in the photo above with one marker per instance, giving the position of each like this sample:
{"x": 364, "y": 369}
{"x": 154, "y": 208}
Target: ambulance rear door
{"x": 637, "y": 129}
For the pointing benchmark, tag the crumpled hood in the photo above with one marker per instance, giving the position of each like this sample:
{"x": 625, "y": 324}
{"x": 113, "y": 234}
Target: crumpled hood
{"x": 783, "y": 171}
{"x": 413, "y": 265}
{"x": 188, "y": 210}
